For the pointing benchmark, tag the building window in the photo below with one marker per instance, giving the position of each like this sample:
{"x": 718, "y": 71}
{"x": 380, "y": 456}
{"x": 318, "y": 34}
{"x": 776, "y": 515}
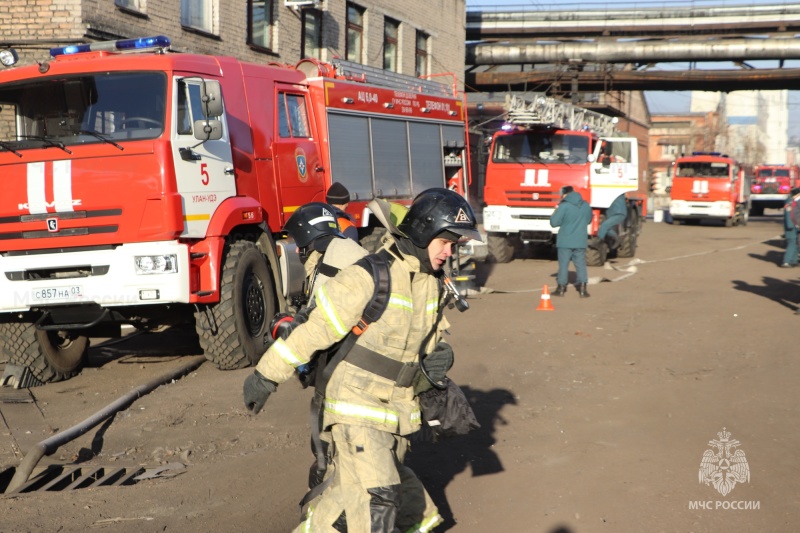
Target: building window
{"x": 391, "y": 31}
{"x": 198, "y": 14}
{"x": 421, "y": 63}
{"x": 132, "y": 5}
{"x": 312, "y": 34}
{"x": 355, "y": 33}
{"x": 260, "y": 22}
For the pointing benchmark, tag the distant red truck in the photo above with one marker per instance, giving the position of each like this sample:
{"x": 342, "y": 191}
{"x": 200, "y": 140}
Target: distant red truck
{"x": 709, "y": 186}
{"x": 771, "y": 186}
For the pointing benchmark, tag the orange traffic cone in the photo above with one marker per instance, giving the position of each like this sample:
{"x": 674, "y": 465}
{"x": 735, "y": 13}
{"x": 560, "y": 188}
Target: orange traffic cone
{"x": 545, "y": 304}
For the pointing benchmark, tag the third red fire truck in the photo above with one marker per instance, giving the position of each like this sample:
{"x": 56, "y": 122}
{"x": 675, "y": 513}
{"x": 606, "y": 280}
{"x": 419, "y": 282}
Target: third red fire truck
{"x": 709, "y": 186}
{"x": 150, "y": 188}
{"x": 771, "y": 186}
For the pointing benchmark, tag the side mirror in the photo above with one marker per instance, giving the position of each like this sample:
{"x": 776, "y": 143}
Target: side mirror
{"x": 207, "y": 130}
{"x": 590, "y": 158}
{"x": 211, "y": 96}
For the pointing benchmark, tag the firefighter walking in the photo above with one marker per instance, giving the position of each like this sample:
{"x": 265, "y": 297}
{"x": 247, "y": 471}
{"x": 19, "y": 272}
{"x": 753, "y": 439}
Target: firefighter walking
{"x": 369, "y": 410}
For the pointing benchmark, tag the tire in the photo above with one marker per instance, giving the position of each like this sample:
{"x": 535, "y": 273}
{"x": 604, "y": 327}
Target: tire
{"x": 501, "y": 248}
{"x": 50, "y": 355}
{"x": 629, "y": 240}
{"x": 232, "y": 331}
{"x": 730, "y": 222}
{"x": 596, "y": 252}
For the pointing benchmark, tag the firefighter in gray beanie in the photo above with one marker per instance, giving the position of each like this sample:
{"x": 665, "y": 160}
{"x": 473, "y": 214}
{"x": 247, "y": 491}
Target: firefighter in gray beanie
{"x": 338, "y": 196}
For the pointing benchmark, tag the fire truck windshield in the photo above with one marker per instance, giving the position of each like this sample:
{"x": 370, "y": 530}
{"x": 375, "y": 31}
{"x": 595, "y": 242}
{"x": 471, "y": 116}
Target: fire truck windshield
{"x": 703, "y": 170}
{"x": 540, "y": 147}
{"x": 73, "y": 110}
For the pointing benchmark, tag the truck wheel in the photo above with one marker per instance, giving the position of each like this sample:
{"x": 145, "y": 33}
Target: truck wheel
{"x": 501, "y": 248}
{"x": 629, "y": 240}
{"x": 730, "y": 222}
{"x": 596, "y": 252}
{"x": 232, "y": 331}
{"x": 50, "y": 355}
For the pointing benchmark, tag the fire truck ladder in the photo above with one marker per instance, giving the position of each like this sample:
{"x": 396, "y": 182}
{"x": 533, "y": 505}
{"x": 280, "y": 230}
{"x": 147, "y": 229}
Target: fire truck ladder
{"x": 546, "y": 110}
{"x": 391, "y": 80}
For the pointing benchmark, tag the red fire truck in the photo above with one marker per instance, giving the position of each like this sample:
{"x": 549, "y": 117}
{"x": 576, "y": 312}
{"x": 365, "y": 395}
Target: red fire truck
{"x": 711, "y": 186}
{"x": 150, "y": 189}
{"x": 548, "y": 145}
{"x": 771, "y": 186}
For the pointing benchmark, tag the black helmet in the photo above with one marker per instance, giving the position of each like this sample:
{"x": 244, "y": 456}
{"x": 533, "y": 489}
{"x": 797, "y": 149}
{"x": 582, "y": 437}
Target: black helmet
{"x": 310, "y": 222}
{"x": 437, "y": 211}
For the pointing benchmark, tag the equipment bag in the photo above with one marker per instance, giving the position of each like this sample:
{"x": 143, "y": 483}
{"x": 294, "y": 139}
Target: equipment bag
{"x": 447, "y": 412}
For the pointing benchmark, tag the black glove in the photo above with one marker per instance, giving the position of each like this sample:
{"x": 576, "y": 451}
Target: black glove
{"x": 257, "y": 389}
{"x": 436, "y": 364}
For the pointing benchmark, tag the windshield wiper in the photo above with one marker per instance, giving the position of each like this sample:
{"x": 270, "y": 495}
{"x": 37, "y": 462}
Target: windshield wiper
{"x": 101, "y": 137}
{"x": 7, "y": 147}
{"x": 50, "y": 142}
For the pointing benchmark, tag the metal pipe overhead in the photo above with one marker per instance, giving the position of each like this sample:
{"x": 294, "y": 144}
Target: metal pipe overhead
{"x": 633, "y": 52}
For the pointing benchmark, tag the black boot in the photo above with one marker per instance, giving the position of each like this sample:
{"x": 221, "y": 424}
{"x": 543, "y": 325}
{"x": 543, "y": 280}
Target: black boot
{"x": 582, "y": 290}
{"x": 560, "y": 290}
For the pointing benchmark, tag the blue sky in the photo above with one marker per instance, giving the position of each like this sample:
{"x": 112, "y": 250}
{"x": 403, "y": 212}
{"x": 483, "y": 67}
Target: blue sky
{"x": 659, "y": 102}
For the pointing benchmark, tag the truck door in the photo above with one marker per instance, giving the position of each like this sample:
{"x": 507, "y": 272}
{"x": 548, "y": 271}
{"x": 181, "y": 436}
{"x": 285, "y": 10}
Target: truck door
{"x": 203, "y": 169}
{"x": 614, "y": 170}
{"x": 296, "y": 155}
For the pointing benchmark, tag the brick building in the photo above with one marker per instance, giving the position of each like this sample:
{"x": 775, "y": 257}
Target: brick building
{"x": 674, "y": 135}
{"x": 417, "y": 37}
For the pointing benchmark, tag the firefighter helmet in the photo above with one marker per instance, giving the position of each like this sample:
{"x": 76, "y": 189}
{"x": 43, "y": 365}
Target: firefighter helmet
{"x": 436, "y": 211}
{"x": 310, "y": 222}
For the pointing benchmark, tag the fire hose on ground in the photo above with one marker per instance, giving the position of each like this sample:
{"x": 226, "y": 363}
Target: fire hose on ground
{"x": 49, "y": 446}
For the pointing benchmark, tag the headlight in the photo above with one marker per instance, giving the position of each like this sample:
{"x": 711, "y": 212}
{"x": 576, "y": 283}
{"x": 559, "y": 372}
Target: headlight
{"x": 156, "y": 264}
{"x": 8, "y": 57}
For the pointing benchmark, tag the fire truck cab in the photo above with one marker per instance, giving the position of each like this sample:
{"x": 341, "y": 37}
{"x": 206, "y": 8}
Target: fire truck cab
{"x": 771, "y": 186}
{"x": 710, "y": 186}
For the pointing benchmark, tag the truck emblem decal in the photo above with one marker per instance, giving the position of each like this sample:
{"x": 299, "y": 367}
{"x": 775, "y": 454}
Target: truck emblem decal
{"x": 37, "y": 188}
{"x": 461, "y": 216}
{"x": 700, "y": 187}
{"x": 301, "y": 165}
{"x": 724, "y": 468}
{"x": 536, "y": 179}
{"x": 52, "y": 225}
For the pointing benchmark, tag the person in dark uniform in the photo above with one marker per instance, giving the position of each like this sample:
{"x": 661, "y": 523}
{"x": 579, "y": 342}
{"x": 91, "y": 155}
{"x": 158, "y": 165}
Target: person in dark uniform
{"x": 338, "y": 197}
{"x": 790, "y": 221}
{"x": 615, "y": 215}
{"x": 571, "y": 217}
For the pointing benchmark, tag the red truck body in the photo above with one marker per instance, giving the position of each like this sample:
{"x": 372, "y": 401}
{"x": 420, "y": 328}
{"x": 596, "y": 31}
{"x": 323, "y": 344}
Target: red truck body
{"x": 151, "y": 189}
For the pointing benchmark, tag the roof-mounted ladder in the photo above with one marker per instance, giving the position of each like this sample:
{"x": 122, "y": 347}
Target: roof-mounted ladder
{"x": 549, "y": 111}
{"x": 389, "y": 79}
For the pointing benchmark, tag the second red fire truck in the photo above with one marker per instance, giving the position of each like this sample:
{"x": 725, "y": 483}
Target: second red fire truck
{"x": 548, "y": 145}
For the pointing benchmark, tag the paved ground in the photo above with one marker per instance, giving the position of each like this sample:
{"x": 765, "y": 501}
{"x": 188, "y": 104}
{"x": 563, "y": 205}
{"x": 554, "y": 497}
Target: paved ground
{"x": 595, "y": 416}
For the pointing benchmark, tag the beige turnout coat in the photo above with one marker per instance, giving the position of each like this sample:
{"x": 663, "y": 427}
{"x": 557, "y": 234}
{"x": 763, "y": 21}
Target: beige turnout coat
{"x": 356, "y": 396}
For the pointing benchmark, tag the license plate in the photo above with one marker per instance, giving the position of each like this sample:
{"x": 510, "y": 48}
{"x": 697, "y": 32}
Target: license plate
{"x": 57, "y": 293}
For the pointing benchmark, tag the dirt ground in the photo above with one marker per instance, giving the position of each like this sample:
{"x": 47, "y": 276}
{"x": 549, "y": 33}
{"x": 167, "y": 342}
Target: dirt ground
{"x": 595, "y": 416}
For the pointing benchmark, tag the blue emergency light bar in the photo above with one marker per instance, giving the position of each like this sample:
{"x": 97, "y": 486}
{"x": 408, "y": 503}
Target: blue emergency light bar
{"x": 144, "y": 43}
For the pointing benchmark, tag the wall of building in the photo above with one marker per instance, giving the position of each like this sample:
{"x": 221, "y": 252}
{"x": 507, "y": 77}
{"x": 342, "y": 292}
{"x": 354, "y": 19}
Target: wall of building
{"x": 34, "y": 26}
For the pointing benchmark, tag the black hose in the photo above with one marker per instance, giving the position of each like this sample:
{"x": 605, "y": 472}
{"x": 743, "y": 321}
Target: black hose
{"x": 49, "y": 446}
